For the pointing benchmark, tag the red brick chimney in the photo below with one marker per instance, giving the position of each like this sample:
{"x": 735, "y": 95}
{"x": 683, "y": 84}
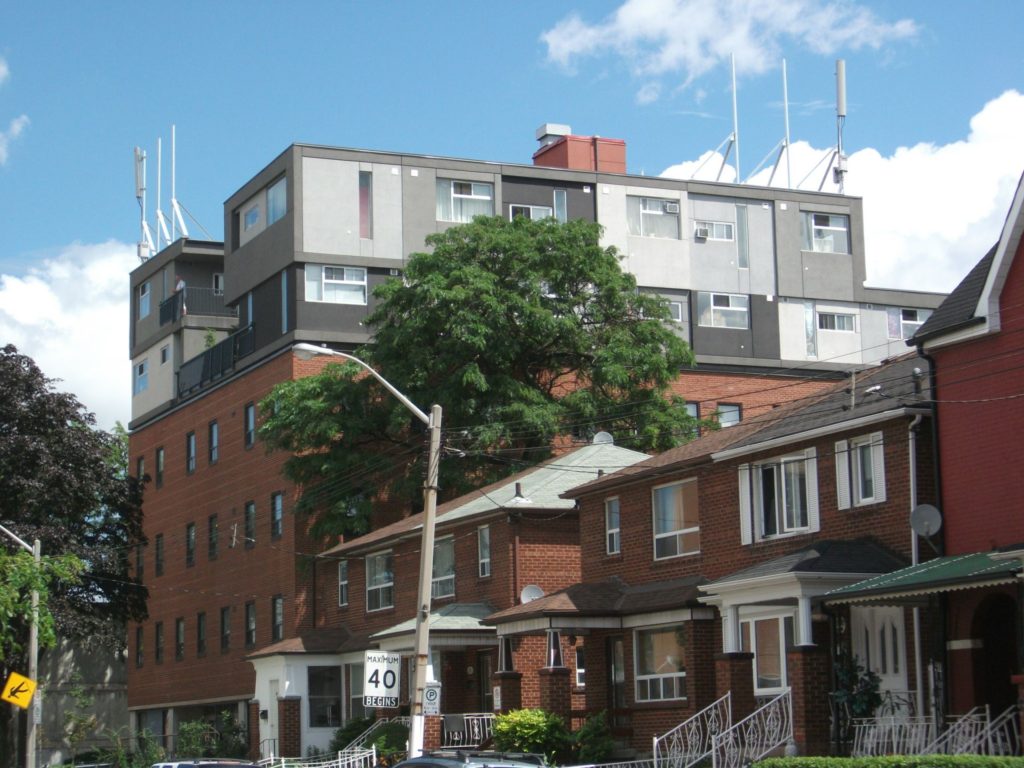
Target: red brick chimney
{"x": 560, "y": 149}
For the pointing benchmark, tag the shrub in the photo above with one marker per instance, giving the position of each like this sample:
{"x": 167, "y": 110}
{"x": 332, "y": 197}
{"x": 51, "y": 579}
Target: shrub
{"x": 533, "y": 730}
{"x": 895, "y": 761}
{"x": 196, "y": 738}
{"x": 593, "y": 742}
{"x": 391, "y": 739}
{"x": 348, "y": 733}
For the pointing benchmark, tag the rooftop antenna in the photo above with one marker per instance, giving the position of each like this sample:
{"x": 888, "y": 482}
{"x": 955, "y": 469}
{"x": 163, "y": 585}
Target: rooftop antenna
{"x": 783, "y": 145}
{"x": 839, "y": 169}
{"x": 162, "y": 235}
{"x": 732, "y": 139}
{"x": 145, "y": 245}
{"x": 177, "y": 220}
{"x": 735, "y": 117}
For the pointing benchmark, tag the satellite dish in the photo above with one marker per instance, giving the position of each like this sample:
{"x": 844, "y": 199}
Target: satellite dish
{"x": 530, "y": 592}
{"x": 603, "y": 438}
{"x": 925, "y": 520}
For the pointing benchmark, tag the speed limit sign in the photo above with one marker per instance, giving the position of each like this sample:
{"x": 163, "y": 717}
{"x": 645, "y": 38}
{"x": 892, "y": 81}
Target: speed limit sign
{"x": 380, "y": 681}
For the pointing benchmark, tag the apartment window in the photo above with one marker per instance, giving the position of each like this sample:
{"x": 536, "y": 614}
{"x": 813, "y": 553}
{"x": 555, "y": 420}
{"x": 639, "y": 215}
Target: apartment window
{"x": 212, "y": 534}
{"x": 779, "y": 497}
{"x": 145, "y": 293}
{"x": 768, "y": 639}
{"x": 218, "y": 283}
{"x": 561, "y": 206}
{"x": 140, "y": 469}
{"x": 443, "y": 584}
{"x": 284, "y": 301}
{"x": 190, "y": 452}
{"x": 201, "y": 633}
{"x": 141, "y": 383}
{"x": 723, "y": 310}
{"x": 676, "y": 522}
{"x": 225, "y": 629}
{"x": 860, "y": 471}
{"x": 276, "y": 515}
{"x": 903, "y": 323}
{"x": 250, "y": 524}
{"x": 249, "y": 424}
{"x": 324, "y": 685}
{"x": 251, "y": 217}
{"x": 179, "y": 639}
{"x": 835, "y": 321}
{"x": 365, "y": 204}
{"x": 140, "y": 655}
{"x": 158, "y": 554}
{"x": 652, "y": 217}
{"x": 532, "y": 212}
{"x": 826, "y": 232}
{"x": 729, "y": 414}
{"x": 250, "y": 624}
{"x": 460, "y": 201}
{"x": 343, "y": 583}
{"x": 713, "y": 230}
{"x": 335, "y": 285}
{"x": 140, "y": 560}
{"x": 165, "y": 354}
{"x": 675, "y": 311}
{"x": 214, "y": 440}
{"x": 660, "y": 671}
{"x": 277, "y": 200}
{"x": 581, "y": 667}
{"x": 612, "y": 535}
{"x": 158, "y": 642}
{"x": 380, "y": 581}
{"x": 159, "y": 467}
{"x": 483, "y": 550}
{"x": 277, "y": 618}
{"x": 190, "y": 545}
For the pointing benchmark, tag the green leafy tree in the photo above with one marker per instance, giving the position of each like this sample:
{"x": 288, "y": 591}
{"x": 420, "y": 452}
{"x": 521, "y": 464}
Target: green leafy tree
{"x": 533, "y": 730}
{"x": 523, "y": 331}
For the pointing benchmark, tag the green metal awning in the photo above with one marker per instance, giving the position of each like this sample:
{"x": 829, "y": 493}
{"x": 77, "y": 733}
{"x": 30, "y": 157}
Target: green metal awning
{"x": 943, "y": 574}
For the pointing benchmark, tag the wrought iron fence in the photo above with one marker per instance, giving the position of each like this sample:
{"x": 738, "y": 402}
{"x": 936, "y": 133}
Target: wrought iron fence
{"x": 691, "y": 741}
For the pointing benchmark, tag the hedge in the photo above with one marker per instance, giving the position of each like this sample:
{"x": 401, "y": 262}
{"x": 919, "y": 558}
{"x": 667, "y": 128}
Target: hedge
{"x": 895, "y": 761}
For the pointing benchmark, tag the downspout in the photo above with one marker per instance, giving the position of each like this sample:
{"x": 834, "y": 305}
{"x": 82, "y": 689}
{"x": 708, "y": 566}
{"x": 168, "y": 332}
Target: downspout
{"x": 912, "y": 465}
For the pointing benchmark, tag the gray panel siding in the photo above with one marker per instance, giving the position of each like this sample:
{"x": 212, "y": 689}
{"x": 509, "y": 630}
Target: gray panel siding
{"x": 519, "y": 191}
{"x": 318, "y": 316}
{"x": 764, "y": 322}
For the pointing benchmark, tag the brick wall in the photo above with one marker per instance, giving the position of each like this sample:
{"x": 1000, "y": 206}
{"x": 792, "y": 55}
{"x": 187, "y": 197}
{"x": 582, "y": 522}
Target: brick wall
{"x": 289, "y": 726}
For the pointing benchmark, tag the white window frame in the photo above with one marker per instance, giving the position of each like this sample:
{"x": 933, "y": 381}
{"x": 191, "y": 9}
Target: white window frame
{"x": 218, "y": 284}
{"x": 678, "y": 535}
{"x": 852, "y": 458}
{"x": 443, "y": 584}
{"x": 276, "y": 618}
{"x": 165, "y": 354}
{"x": 483, "y": 551}
{"x": 651, "y": 206}
{"x": 141, "y": 383}
{"x": 531, "y": 212}
{"x": 456, "y": 190}
{"x": 675, "y": 311}
{"x": 612, "y": 529}
{"x": 581, "y": 667}
{"x": 841, "y": 322}
{"x": 671, "y": 686}
{"x": 318, "y": 279}
{"x": 342, "y": 583}
{"x": 901, "y": 325}
{"x": 748, "y": 639}
{"x": 712, "y": 312}
{"x": 145, "y": 299}
{"x": 380, "y": 581}
{"x": 723, "y": 231}
{"x": 820, "y": 233}
{"x": 560, "y": 205}
{"x": 751, "y": 499}
{"x": 727, "y": 409}
{"x": 276, "y": 515}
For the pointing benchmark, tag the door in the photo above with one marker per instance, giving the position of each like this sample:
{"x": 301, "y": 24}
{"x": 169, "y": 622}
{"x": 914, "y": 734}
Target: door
{"x": 879, "y": 643}
{"x": 485, "y": 668}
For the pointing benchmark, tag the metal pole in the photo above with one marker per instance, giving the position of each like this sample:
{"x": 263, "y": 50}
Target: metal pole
{"x": 33, "y": 664}
{"x": 416, "y": 726}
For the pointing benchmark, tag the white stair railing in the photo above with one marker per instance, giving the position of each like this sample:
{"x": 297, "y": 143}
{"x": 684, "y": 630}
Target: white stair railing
{"x": 356, "y": 757}
{"x": 891, "y": 735}
{"x": 960, "y": 735}
{"x": 1002, "y": 736}
{"x": 365, "y": 736}
{"x": 691, "y": 741}
{"x": 753, "y": 737}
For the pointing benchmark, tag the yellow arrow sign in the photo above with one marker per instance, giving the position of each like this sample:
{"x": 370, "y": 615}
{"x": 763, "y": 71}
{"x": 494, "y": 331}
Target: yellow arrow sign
{"x": 18, "y": 690}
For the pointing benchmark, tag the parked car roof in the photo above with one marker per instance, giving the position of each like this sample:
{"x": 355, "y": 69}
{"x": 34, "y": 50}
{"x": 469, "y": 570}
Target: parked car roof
{"x": 473, "y": 759}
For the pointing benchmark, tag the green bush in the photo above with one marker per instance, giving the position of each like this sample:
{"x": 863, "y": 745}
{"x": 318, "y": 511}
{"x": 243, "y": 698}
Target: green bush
{"x": 895, "y": 761}
{"x": 147, "y": 750}
{"x": 391, "y": 739}
{"x": 533, "y": 730}
{"x": 348, "y": 733}
{"x": 593, "y": 742}
{"x": 196, "y": 738}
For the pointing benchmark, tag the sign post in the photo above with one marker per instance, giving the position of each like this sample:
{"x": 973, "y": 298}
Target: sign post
{"x": 382, "y": 672}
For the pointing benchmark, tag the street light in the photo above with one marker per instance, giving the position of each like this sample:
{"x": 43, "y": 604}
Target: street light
{"x": 33, "y": 649}
{"x": 433, "y": 423}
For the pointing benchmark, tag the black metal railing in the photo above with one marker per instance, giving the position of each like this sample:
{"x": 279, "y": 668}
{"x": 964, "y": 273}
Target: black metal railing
{"x": 195, "y": 301}
{"x": 215, "y": 361}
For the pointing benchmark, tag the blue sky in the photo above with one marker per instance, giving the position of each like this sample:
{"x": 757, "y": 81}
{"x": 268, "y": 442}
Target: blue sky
{"x": 81, "y": 84}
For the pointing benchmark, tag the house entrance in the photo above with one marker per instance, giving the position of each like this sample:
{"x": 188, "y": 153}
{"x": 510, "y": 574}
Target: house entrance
{"x": 995, "y": 624}
{"x": 879, "y": 642}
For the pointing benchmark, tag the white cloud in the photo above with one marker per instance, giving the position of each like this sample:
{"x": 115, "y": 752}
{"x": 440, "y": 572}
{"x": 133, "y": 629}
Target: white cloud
{"x": 69, "y": 313}
{"x": 691, "y": 37}
{"x": 15, "y": 129}
{"x": 5, "y": 71}
{"x": 930, "y": 211}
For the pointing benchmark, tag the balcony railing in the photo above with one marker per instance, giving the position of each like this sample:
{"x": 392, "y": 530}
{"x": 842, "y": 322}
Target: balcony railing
{"x": 195, "y": 301}
{"x": 467, "y": 730}
{"x": 215, "y": 362}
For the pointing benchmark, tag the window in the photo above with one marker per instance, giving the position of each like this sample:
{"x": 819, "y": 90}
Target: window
{"x": 190, "y": 453}
{"x": 505, "y": 657}
{"x": 729, "y": 414}
{"x": 277, "y": 618}
{"x": 723, "y": 310}
{"x": 324, "y": 685}
{"x": 660, "y": 671}
{"x": 214, "y": 439}
{"x": 860, "y": 471}
{"x": 742, "y": 238}
{"x": 355, "y": 691}
{"x": 141, "y": 383}
{"x": 250, "y": 625}
{"x": 462, "y": 200}
{"x": 249, "y": 422}
{"x": 834, "y": 321}
{"x": 532, "y": 212}
{"x": 158, "y": 642}
{"x": 225, "y": 630}
{"x": 652, "y": 217}
{"x": 140, "y": 655}
{"x": 165, "y": 354}
{"x": 903, "y": 323}
{"x": 179, "y": 639}
{"x": 365, "y": 205}
{"x": 612, "y": 538}
{"x": 335, "y": 285}
{"x": 716, "y": 230}
{"x": 343, "y": 583}
{"x": 159, "y": 467}
{"x": 140, "y": 469}
{"x": 250, "y": 524}
{"x": 190, "y": 545}
{"x": 581, "y": 667}
{"x": 380, "y": 585}
{"x": 781, "y": 494}
{"x": 676, "y": 523}
{"x": 158, "y": 555}
{"x": 443, "y": 584}
{"x": 483, "y": 550}
{"x": 277, "y": 200}
{"x": 145, "y": 293}
{"x": 284, "y": 301}
{"x": 768, "y": 639}
{"x": 675, "y": 311}
{"x": 826, "y": 232}
{"x": 140, "y": 560}
{"x": 276, "y": 515}
{"x": 561, "y": 206}
{"x": 218, "y": 283}
{"x": 212, "y": 533}
{"x": 251, "y": 217}
{"x": 554, "y": 651}
{"x": 201, "y": 633}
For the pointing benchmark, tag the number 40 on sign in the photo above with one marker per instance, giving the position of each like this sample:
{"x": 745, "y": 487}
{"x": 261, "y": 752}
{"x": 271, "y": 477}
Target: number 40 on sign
{"x": 380, "y": 683}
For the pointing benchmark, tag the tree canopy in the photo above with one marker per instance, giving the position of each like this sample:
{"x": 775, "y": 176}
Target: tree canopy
{"x": 525, "y": 332}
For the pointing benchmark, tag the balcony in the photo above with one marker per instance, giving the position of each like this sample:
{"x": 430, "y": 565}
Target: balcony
{"x": 195, "y": 301}
{"x": 215, "y": 362}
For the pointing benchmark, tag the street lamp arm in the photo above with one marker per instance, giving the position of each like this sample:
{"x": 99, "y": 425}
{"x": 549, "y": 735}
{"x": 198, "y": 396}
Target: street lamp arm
{"x": 16, "y": 538}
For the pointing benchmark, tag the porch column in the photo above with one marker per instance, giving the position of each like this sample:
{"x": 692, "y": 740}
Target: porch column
{"x": 431, "y": 732}
{"x": 289, "y": 726}
{"x": 734, "y": 672}
{"x": 731, "y": 629}
{"x": 254, "y": 731}
{"x": 804, "y": 635}
{"x": 555, "y": 691}
{"x": 511, "y": 686}
{"x": 809, "y": 681}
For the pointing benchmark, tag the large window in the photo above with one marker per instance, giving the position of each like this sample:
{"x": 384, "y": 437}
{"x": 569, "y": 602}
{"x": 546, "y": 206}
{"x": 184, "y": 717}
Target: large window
{"x": 723, "y": 310}
{"x": 483, "y": 550}
{"x": 903, "y": 323}
{"x": 660, "y": 669}
{"x": 561, "y": 205}
{"x": 324, "y": 685}
{"x": 652, "y": 217}
{"x": 612, "y": 534}
{"x": 141, "y": 383}
{"x": 277, "y": 200}
{"x": 380, "y": 581}
{"x": 779, "y": 497}
{"x": 343, "y": 583}
{"x": 145, "y": 294}
{"x": 676, "y": 523}
{"x": 860, "y": 471}
{"x": 335, "y": 285}
{"x": 836, "y": 321}
{"x": 729, "y": 414}
{"x": 533, "y": 212}
{"x": 768, "y": 639}
{"x": 462, "y": 200}
{"x": 713, "y": 230}
{"x": 443, "y": 584}
{"x": 826, "y": 232}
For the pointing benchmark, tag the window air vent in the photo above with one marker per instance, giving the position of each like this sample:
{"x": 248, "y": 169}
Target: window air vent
{"x": 701, "y": 233}
{"x": 671, "y": 207}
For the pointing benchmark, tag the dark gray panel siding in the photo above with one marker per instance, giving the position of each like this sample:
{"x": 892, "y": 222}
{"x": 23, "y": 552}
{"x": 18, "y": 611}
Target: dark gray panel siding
{"x": 519, "y": 191}
{"x": 761, "y": 340}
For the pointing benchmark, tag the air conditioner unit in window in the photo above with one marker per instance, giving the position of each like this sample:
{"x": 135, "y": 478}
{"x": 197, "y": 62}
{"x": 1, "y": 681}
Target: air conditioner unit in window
{"x": 701, "y": 233}
{"x": 671, "y": 207}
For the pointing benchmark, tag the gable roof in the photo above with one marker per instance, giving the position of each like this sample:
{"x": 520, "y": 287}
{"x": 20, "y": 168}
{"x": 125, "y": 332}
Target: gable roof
{"x": 838, "y": 556}
{"x": 958, "y": 309}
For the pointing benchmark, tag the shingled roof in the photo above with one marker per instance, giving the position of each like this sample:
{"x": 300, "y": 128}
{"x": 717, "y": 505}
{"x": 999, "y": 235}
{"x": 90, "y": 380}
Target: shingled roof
{"x": 958, "y": 309}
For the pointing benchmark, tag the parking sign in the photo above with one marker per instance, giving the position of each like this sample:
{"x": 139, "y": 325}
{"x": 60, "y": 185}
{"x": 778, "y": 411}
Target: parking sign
{"x": 380, "y": 682}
